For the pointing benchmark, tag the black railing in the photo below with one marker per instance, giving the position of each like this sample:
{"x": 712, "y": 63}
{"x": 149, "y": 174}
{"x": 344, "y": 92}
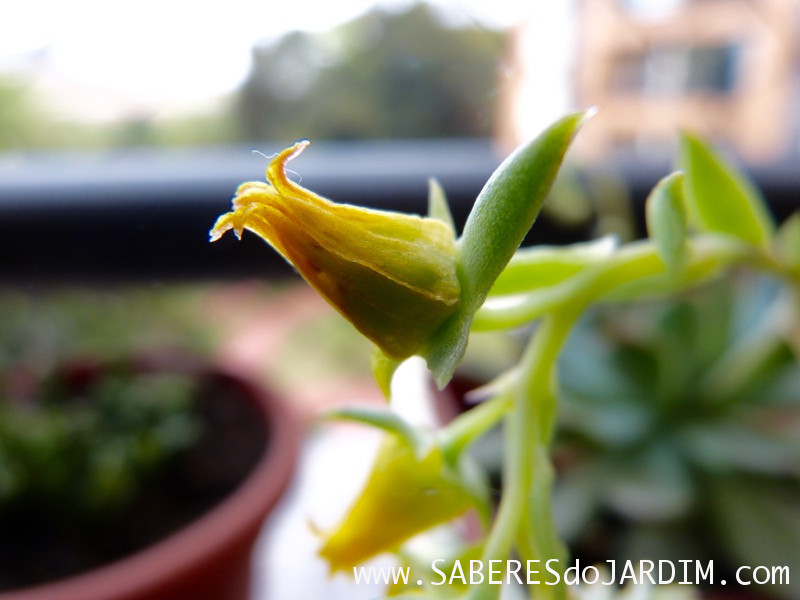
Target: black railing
{"x": 144, "y": 214}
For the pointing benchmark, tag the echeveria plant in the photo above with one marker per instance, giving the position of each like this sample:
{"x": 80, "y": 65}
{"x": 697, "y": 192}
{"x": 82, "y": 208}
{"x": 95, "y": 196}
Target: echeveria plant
{"x": 414, "y": 288}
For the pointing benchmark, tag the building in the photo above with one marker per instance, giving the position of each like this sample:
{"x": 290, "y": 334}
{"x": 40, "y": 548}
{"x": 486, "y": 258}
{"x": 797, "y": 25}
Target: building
{"x": 726, "y": 69}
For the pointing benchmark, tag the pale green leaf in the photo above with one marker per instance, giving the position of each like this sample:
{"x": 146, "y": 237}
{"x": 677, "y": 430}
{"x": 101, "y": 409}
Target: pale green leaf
{"x": 665, "y": 212}
{"x": 720, "y": 198}
{"x": 503, "y": 213}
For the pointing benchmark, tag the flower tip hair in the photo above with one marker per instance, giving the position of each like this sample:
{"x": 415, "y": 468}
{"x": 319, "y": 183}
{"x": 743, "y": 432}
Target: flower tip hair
{"x": 298, "y": 147}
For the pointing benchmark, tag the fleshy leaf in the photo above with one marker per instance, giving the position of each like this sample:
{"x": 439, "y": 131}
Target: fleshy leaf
{"x": 404, "y": 495}
{"x": 503, "y": 213}
{"x": 720, "y": 198}
{"x": 665, "y": 212}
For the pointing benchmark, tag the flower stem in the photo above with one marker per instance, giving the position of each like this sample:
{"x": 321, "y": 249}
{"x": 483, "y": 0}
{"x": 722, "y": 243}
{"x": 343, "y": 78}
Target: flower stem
{"x": 525, "y": 519}
{"x": 527, "y": 475}
{"x": 633, "y": 271}
{"x": 471, "y": 425}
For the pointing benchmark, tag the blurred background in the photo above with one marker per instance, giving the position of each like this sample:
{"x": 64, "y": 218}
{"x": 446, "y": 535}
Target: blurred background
{"x": 125, "y": 129}
{"x": 154, "y": 113}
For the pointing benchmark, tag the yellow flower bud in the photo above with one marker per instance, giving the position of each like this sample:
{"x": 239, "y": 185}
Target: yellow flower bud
{"x": 404, "y": 495}
{"x": 390, "y": 274}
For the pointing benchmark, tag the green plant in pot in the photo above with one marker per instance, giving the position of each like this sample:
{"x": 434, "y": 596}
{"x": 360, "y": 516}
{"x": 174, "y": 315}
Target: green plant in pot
{"x": 414, "y": 288}
{"x": 128, "y": 473}
{"x": 76, "y": 456}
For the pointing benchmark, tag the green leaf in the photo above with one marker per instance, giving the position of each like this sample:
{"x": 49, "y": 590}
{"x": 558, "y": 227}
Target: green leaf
{"x": 665, "y": 213}
{"x": 438, "y": 207}
{"x": 503, "y": 213}
{"x": 720, "y": 198}
{"x": 509, "y": 204}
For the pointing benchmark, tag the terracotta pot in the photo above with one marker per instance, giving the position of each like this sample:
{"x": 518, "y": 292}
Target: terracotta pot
{"x": 210, "y": 558}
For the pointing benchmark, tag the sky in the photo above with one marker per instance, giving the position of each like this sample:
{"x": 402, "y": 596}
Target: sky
{"x": 175, "y": 50}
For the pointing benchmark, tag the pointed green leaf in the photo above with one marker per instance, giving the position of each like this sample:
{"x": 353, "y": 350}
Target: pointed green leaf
{"x": 503, "y": 213}
{"x": 665, "y": 213}
{"x": 508, "y": 205}
{"x": 720, "y": 198}
{"x": 438, "y": 207}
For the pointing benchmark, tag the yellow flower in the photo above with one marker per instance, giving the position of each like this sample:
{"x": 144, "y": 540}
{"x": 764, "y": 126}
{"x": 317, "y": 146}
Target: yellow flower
{"x": 392, "y": 275}
{"x": 404, "y": 495}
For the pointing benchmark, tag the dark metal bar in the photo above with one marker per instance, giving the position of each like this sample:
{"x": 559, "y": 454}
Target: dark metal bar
{"x": 142, "y": 214}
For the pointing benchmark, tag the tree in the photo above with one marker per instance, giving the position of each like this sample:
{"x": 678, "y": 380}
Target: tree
{"x": 382, "y": 75}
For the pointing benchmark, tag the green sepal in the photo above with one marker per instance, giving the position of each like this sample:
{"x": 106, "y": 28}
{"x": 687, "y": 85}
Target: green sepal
{"x": 720, "y": 198}
{"x": 665, "y": 213}
{"x": 438, "y": 207}
{"x": 383, "y": 368}
{"x": 503, "y": 213}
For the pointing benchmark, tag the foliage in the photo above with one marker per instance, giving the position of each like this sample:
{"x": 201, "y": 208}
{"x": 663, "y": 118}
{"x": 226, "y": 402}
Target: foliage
{"x": 382, "y": 75}
{"x": 81, "y": 448}
{"x": 679, "y": 423}
{"x": 27, "y": 122}
{"x": 701, "y": 223}
{"x": 87, "y": 449}
{"x": 40, "y": 328}
{"x": 18, "y": 114}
